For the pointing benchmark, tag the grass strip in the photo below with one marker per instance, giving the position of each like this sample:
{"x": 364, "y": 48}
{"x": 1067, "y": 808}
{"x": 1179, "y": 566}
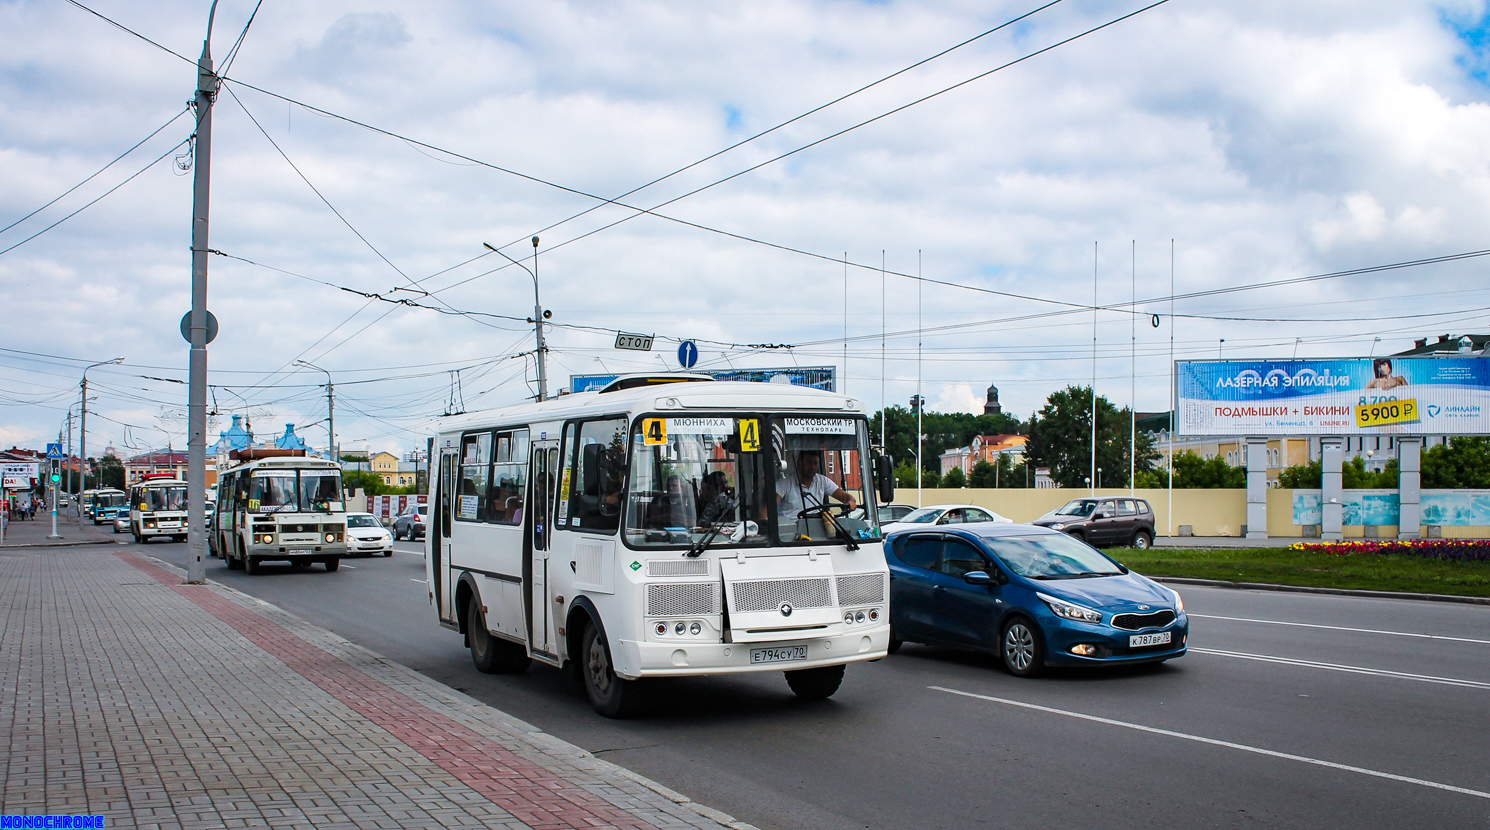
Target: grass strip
{"x": 1281, "y": 566}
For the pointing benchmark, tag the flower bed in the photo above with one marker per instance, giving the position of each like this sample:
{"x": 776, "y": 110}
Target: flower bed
{"x": 1463, "y": 550}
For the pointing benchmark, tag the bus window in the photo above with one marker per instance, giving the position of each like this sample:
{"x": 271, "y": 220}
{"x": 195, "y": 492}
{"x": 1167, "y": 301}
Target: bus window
{"x": 271, "y": 491}
{"x": 320, "y": 490}
{"x": 805, "y": 491}
{"x": 686, "y": 481}
{"x": 509, "y": 478}
{"x": 475, "y": 472}
{"x": 600, "y": 467}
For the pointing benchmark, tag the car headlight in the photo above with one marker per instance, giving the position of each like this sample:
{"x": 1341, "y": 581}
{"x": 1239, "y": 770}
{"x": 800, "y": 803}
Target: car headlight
{"x": 1179, "y": 602}
{"x": 1071, "y": 611}
{"x": 1056, "y": 526}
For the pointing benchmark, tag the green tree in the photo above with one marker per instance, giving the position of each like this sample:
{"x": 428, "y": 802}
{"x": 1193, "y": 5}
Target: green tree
{"x": 1060, "y": 438}
{"x": 1196, "y": 473}
{"x": 111, "y": 472}
{"x": 954, "y": 479}
{"x": 1013, "y": 475}
{"x": 983, "y": 475}
{"x": 943, "y": 431}
{"x": 1302, "y": 476}
{"x": 369, "y": 482}
{"x": 1463, "y": 462}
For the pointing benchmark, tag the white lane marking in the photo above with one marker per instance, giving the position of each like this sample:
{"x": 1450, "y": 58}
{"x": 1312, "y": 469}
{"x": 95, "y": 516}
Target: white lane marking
{"x": 353, "y": 567}
{"x": 1343, "y": 628}
{"x": 1312, "y": 664}
{"x": 420, "y": 581}
{"x": 1214, "y": 742}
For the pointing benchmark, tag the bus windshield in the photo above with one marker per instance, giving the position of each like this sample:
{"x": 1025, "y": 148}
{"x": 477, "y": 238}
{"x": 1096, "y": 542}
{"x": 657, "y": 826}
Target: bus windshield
{"x": 724, "y": 480}
{"x": 155, "y": 499}
{"x": 111, "y": 499}
{"x": 281, "y": 491}
{"x": 697, "y": 478}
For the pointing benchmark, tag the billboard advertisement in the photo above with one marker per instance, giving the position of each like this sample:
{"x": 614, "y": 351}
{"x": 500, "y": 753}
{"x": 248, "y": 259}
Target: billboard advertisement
{"x": 1345, "y": 396}
{"x": 817, "y": 377}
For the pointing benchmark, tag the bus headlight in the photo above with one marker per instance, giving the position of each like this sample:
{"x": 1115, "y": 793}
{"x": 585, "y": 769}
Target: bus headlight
{"x": 331, "y": 537}
{"x": 266, "y": 539}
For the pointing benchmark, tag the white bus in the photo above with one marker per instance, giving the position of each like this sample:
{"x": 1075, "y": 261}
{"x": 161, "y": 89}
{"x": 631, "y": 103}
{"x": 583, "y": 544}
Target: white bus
{"x": 655, "y": 528}
{"x": 279, "y": 505}
{"x": 157, "y": 507}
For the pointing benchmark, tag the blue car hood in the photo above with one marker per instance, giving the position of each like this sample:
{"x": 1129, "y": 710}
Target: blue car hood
{"x": 1107, "y": 591}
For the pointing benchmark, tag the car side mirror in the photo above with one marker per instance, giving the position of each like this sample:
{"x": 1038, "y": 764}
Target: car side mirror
{"x": 1099, "y": 516}
{"x": 977, "y": 578}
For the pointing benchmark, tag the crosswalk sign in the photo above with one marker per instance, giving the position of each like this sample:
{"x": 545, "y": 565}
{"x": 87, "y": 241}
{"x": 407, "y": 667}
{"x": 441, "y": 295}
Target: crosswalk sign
{"x": 54, "y": 452}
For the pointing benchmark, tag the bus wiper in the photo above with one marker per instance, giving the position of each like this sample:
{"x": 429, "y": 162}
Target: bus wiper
{"x": 714, "y": 530}
{"x": 848, "y": 540}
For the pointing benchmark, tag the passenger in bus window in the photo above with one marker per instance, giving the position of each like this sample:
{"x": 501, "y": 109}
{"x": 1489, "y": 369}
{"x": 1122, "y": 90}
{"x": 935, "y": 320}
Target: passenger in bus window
{"x": 674, "y": 508}
{"x": 716, "y": 499}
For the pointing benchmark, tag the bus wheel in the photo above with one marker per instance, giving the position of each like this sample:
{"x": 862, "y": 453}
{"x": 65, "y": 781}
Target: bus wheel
{"x": 492, "y": 655}
{"x": 815, "y": 684}
{"x": 612, "y": 696}
{"x": 895, "y": 642}
{"x": 333, "y": 563}
{"x": 251, "y": 565}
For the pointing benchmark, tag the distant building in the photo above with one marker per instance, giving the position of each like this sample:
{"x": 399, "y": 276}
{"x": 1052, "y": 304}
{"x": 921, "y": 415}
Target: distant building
{"x": 983, "y": 448}
{"x": 991, "y": 405}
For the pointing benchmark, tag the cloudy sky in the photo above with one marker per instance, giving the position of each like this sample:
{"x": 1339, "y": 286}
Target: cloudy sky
{"x": 374, "y": 147}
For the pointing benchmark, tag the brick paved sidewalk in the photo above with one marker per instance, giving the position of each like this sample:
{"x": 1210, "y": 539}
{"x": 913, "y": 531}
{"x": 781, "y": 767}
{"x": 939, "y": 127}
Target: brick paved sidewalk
{"x": 125, "y": 693}
{"x": 34, "y": 532}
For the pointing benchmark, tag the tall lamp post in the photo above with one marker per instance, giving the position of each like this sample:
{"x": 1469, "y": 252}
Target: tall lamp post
{"x": 83, "y": 423}
{"x": 330, "y": 410}
{"x": 539, "y": 315}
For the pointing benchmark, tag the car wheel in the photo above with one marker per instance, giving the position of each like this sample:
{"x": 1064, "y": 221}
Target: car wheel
{"x": 492, "y": 655}
{"x": 612, "y": 696}
{"x": 895, "y": 642}
{"x": 388, "y": 552}
{"x": 333, "y": 563}
{"x": 1021, "y": 649}
{"x": 1142, "y": 540}
{"x": 815, "y": 684}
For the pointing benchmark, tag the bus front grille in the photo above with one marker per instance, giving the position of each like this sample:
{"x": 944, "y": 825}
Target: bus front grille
{"x": 770, "y": 594}
{"x": 682, "y": 599}
{"x": 677, "y": 567}
{"x": 861, "y": 589}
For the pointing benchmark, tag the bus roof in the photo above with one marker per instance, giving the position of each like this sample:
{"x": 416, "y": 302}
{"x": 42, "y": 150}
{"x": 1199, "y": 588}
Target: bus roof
{"x": 679, "y": 397}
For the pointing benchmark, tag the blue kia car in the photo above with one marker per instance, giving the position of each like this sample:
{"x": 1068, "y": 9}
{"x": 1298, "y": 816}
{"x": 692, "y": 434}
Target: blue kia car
{"x": 1035, "y": 597}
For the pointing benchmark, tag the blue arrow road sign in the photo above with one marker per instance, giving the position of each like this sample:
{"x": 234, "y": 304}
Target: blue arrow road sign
{"x": 687, "y": 354}
{"x": 54, "y": 452}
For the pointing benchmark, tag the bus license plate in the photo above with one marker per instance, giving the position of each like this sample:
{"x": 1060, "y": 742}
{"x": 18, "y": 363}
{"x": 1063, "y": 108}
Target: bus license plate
{"x": 778, "y": 655}
{"x": 1140, "y": 640}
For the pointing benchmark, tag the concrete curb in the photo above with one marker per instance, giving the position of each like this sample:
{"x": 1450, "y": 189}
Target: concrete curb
{"x": 1298, "y": 589}
{"x": 8, "y": 546}
{"x": 532, "y": 733}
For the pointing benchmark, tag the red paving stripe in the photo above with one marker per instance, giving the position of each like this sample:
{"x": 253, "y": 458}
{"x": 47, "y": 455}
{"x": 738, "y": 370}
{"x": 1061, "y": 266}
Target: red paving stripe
{"x": 532, "y": 794}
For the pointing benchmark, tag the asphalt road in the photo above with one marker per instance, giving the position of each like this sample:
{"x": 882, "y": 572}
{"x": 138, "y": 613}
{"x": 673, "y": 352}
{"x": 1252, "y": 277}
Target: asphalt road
{"x": 1291, "y": 710}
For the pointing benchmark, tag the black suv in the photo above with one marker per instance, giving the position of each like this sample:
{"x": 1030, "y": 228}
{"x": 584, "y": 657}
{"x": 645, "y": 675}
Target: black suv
{"x": 1105, "y": 521}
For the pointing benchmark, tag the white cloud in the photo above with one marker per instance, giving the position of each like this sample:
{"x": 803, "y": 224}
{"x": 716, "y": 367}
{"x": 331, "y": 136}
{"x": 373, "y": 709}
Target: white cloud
{"x": 1268, "y": 139}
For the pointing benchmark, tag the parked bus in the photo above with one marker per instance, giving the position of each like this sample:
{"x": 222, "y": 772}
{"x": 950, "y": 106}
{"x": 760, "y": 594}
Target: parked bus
{"x": 157, "y": 507}
{"x": 279, "y": 505}
{"x": 659, "y": 527}
{"x": 99, "y": 504}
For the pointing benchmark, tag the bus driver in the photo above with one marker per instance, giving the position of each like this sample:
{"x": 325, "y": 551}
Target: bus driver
{"x": 810, "y": 489}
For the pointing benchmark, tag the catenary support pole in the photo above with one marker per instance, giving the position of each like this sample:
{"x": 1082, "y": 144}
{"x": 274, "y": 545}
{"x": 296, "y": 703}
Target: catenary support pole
{"x": 196, "y": 447}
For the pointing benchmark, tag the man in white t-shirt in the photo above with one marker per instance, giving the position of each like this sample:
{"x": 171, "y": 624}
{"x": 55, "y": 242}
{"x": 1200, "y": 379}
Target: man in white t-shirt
{"x": 810, "y": 489}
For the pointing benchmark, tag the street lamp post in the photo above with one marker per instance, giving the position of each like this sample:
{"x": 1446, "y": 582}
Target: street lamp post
{"x": 539, "y": 315}
{"x": 330, "y": 410}
{"x": 83, "y": 423}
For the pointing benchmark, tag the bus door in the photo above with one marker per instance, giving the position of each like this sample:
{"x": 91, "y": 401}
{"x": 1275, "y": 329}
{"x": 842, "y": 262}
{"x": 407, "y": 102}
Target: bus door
{"x": 439, "y": 541}
{"x": 542, "y": 464}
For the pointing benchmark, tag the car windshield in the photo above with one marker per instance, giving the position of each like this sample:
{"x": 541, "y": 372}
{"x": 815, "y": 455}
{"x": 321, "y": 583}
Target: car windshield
{"x": 925, "y": 515}
{"x": 1050, "y": 557}
{"x": 1079, "y": 507}
{"x": 362, "y": 521}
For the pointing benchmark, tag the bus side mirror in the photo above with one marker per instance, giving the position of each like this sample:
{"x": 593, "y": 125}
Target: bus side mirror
{"x": 884, "y": 478}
